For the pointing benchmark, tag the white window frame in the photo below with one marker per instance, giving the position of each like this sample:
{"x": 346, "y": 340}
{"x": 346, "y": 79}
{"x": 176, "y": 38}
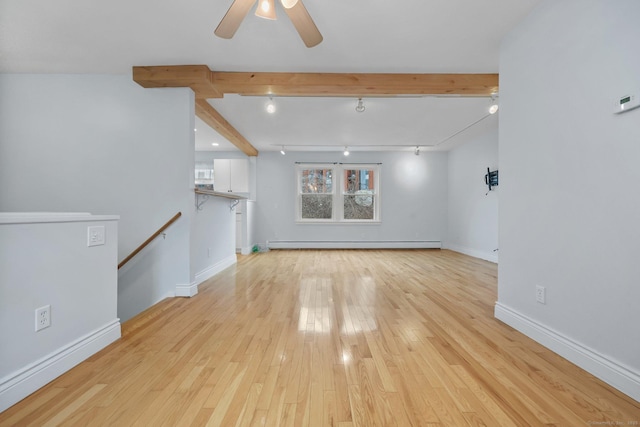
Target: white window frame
{"x": 338, "y": 192}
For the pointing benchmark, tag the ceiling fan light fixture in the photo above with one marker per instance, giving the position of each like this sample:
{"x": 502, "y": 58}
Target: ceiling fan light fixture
{"x": 288, "y": 4}
{"x": 266, "y": 9}
{"x": 360, "y": 107}
{"x": 294, "y": 9}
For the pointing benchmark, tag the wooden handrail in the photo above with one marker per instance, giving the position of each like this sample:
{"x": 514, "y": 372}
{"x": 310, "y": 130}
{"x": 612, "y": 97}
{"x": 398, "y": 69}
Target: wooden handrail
{"x": 149, "y": 240}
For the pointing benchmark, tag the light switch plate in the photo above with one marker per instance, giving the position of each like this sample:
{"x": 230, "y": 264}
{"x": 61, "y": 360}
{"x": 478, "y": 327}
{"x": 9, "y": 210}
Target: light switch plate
{"x": 95, "y": 235}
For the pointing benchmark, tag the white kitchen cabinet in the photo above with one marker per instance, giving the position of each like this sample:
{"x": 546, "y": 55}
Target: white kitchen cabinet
{"x": 231, "y": 175}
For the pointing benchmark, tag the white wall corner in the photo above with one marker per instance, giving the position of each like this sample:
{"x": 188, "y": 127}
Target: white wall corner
{"x": 18, "y": 385}
{"x": 609, "y": 371}
{"x": 487, "y": 256}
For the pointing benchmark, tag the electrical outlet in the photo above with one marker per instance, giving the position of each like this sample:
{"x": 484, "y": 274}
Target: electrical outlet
{"x": 43, "y": 317}
{"x": 541, "y": 294}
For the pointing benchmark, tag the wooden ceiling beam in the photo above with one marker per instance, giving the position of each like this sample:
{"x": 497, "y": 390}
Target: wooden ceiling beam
{"x": 210, "y": 116}
{"x": 354, "y": 84}
{"x": 214, "y": 84}
{"x": 198, "y": 77}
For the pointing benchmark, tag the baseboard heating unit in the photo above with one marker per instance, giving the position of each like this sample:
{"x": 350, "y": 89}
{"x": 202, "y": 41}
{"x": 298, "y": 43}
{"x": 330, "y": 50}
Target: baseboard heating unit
{"x": 354, "y": 244}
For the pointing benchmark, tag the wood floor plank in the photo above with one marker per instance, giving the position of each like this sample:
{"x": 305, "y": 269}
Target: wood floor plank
{"x": 346, "y": 338}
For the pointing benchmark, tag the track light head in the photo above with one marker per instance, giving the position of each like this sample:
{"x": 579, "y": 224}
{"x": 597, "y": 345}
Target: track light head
{"x": 346, "y": 151}
{"x": 494, "y": 104}
{"x": 271, "y": 106}
{"x": 417, "y": 151}
{"x": 360, "y": 107}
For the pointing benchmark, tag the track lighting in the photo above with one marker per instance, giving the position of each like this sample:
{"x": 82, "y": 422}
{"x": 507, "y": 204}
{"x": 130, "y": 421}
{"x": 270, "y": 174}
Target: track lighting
{"x": 266, "y": 9}
{"x": 282, "y": 151}
{"x": 494, "y": 104}
{"x": 360, "y": 106}
{"x": 417, "y": 150}
{"x": 346, "y": 151}
{"x": 271, "y": 106}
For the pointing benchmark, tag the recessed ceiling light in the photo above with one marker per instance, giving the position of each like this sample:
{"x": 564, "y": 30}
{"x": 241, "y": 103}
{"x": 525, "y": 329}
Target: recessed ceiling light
{"x": 215, "y": 144}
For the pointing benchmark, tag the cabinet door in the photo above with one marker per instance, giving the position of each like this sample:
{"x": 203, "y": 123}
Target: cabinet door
{"x": 239, "y": 175}
{"x": 221, "y": 175}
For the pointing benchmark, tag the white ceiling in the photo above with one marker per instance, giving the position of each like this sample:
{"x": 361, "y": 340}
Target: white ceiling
{"x": 363, "y": 36}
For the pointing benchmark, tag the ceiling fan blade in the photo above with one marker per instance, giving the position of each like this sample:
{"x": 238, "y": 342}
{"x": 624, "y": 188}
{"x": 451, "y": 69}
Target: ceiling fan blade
{"x": 233, "y": 18}
{"x": 303, "y": 23}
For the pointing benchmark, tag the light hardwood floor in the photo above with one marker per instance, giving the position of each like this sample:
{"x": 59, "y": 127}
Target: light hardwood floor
{"x": 329, "y": 338}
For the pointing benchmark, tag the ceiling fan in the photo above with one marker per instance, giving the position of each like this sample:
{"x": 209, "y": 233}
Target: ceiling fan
{"x": 266, "y": 9}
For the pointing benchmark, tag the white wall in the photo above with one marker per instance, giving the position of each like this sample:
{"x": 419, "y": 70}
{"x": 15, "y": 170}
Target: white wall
{"x": 45, "y": 260}
{"x": 569, "y": 184}
{"x": 213, "y": 244}
{"x": 103, "y": 144}
{"x": 473, "y": 210}
{"x": 413, "y": 192}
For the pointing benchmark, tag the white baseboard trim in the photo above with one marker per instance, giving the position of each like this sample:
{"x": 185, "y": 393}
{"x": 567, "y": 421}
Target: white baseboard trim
{"x": 192, "y": 288}
{"x": 354, "y": 244}
{"x": 186, "y": 290}
{"x": 18, "y": 385}
{"x": 609, "y": 371}
{"x": 487, "y": 256}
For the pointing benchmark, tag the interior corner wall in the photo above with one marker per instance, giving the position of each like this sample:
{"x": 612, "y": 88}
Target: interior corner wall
{"x": 569, "y": 179}
{"x": 472, "y": 226}
{"x": 413, "y": 190}
{"x": 105, "y": 145}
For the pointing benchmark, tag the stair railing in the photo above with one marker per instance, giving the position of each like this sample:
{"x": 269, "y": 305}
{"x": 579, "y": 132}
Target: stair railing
{"x": 149, "y": 240}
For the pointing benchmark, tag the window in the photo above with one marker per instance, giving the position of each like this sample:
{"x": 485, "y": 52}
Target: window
{"x": 338, "y": 193}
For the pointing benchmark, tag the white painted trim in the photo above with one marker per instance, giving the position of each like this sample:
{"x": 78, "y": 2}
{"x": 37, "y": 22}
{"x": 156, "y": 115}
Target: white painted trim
{"x": 186, "y": 290}
{"x": 192, "y": 289}
{"x": 354, "y": 244}
{"x": 19, "y": 384}
{"x": 609, "y": 371}
{"x": 52, "y": 217}
{"x": 487, "y": 256}
{"x": 216, "y": 268}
